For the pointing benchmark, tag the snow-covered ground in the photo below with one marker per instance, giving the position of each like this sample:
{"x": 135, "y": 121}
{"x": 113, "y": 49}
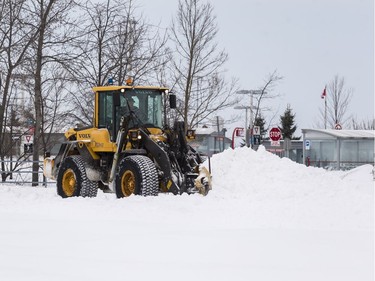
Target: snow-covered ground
{"x": 265, "y": 219}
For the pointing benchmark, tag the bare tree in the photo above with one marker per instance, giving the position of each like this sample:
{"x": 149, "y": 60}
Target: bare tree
{"x": 55, "y": 107}
{"x": 115, "y": 42}
{"x": 337, "y": 102}
{"x": 16, "y": 37}
{"x": 138, "y": 48}
{"x": 266, "y": 92}
{"x": 363, "y": 124}
{"x": 93, "y": 63}
{"x": 198, "y": 63}
{"x": 263, "y": 93}
{"x": 50, "y": 19}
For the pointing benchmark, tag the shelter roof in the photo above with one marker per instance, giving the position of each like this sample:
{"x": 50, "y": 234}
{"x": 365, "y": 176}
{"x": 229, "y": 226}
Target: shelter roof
{"x": 342, "y": 134}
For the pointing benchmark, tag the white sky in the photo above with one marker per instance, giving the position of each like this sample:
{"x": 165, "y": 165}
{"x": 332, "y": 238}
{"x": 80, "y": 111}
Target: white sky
{"x": 308, "y": 42}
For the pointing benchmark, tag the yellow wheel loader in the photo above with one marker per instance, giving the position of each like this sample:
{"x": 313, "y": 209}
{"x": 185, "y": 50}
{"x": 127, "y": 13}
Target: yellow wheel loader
{"x": 129, "y": 149}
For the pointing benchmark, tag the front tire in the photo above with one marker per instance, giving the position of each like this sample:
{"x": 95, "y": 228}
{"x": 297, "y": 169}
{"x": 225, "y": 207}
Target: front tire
{"x": 136, "y": 174}
{"x": 72, "y": 179}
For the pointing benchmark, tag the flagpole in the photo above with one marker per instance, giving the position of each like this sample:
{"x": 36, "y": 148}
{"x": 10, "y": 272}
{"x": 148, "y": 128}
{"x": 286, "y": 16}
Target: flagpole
{"x": 325, "y": 112}
{"x": 324, "y": 96}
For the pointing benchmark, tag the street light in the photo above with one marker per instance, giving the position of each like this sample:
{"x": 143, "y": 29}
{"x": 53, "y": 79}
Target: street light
{"x": 246, "y": 108}
{"x": 251, "y": 107}
{"x": 246, "y": 128}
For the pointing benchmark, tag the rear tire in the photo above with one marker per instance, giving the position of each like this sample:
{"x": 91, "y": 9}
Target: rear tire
{"x": 72, "y": 179}
{"x": 136, "y": 174}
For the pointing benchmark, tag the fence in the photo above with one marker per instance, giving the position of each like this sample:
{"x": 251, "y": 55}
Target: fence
{"x": 22, "y": 175}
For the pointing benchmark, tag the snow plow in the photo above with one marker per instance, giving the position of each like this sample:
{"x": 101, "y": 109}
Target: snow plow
{"x": 129, "y": 149}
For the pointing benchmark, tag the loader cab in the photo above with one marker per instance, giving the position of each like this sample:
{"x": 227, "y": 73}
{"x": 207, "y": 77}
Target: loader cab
{"x": 113, "y": 102}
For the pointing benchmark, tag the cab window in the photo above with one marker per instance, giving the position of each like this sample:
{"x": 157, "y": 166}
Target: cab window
{"x": 105, "y": 109}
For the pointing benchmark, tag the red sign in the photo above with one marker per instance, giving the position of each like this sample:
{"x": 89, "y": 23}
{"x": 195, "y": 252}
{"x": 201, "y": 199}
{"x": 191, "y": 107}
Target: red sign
{"x": 275, "y": 134}
{"x": 239, "y": 132}
{"x": 338, "y": 127}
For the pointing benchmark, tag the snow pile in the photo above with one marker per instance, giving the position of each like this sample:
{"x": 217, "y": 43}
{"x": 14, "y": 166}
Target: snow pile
{"x": 251, "y": 189}
{"x": 276, "y": 191}
{"x": 265, "y": 219}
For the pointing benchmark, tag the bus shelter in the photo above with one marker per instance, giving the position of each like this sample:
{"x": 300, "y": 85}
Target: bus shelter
{"x": 338, "y": 149}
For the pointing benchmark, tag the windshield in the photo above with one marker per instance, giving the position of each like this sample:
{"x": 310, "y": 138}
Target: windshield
{"x": 145, "y": 103}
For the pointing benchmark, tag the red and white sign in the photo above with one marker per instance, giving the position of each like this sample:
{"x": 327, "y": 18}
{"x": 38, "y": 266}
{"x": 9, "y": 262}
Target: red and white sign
{"x": 338, "y": 127}
{"x": 275, "y": 134}
{"x": 29, "y": 138}
{"x": 275, "y": 143}
{"x": 237, "y": 132}
{"x": 240, "y": 132}
{"x": 256, "y": 131}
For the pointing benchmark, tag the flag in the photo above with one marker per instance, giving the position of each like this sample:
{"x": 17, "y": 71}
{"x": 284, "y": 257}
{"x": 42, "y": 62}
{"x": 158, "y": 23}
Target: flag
{"x": 324, "y": 94}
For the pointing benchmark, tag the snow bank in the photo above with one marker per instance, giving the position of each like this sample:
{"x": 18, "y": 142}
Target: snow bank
{"x": 265, "y": 219}
{"x": 277, "y": 192}
{"x": 251, "y": 189}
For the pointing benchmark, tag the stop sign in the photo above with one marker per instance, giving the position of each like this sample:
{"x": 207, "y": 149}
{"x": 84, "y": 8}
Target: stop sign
{"x": 275, "y": 134}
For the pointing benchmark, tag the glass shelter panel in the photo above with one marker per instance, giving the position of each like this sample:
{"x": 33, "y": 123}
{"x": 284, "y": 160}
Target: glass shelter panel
{"x": 349, "y": 151}
{"x": 335, "y": 149}
{"x": 322, "y": 153}
{"x": 366, "y": 151}
{"x": 328, "y": 149}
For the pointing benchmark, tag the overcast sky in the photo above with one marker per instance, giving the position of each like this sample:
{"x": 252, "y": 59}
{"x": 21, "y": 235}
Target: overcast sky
{"x": 308, "y": 42}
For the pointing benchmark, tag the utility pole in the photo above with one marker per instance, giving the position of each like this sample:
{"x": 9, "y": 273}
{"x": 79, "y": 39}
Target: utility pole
{"x": 249, "y": 130}
{"x": 246, "y": 128}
